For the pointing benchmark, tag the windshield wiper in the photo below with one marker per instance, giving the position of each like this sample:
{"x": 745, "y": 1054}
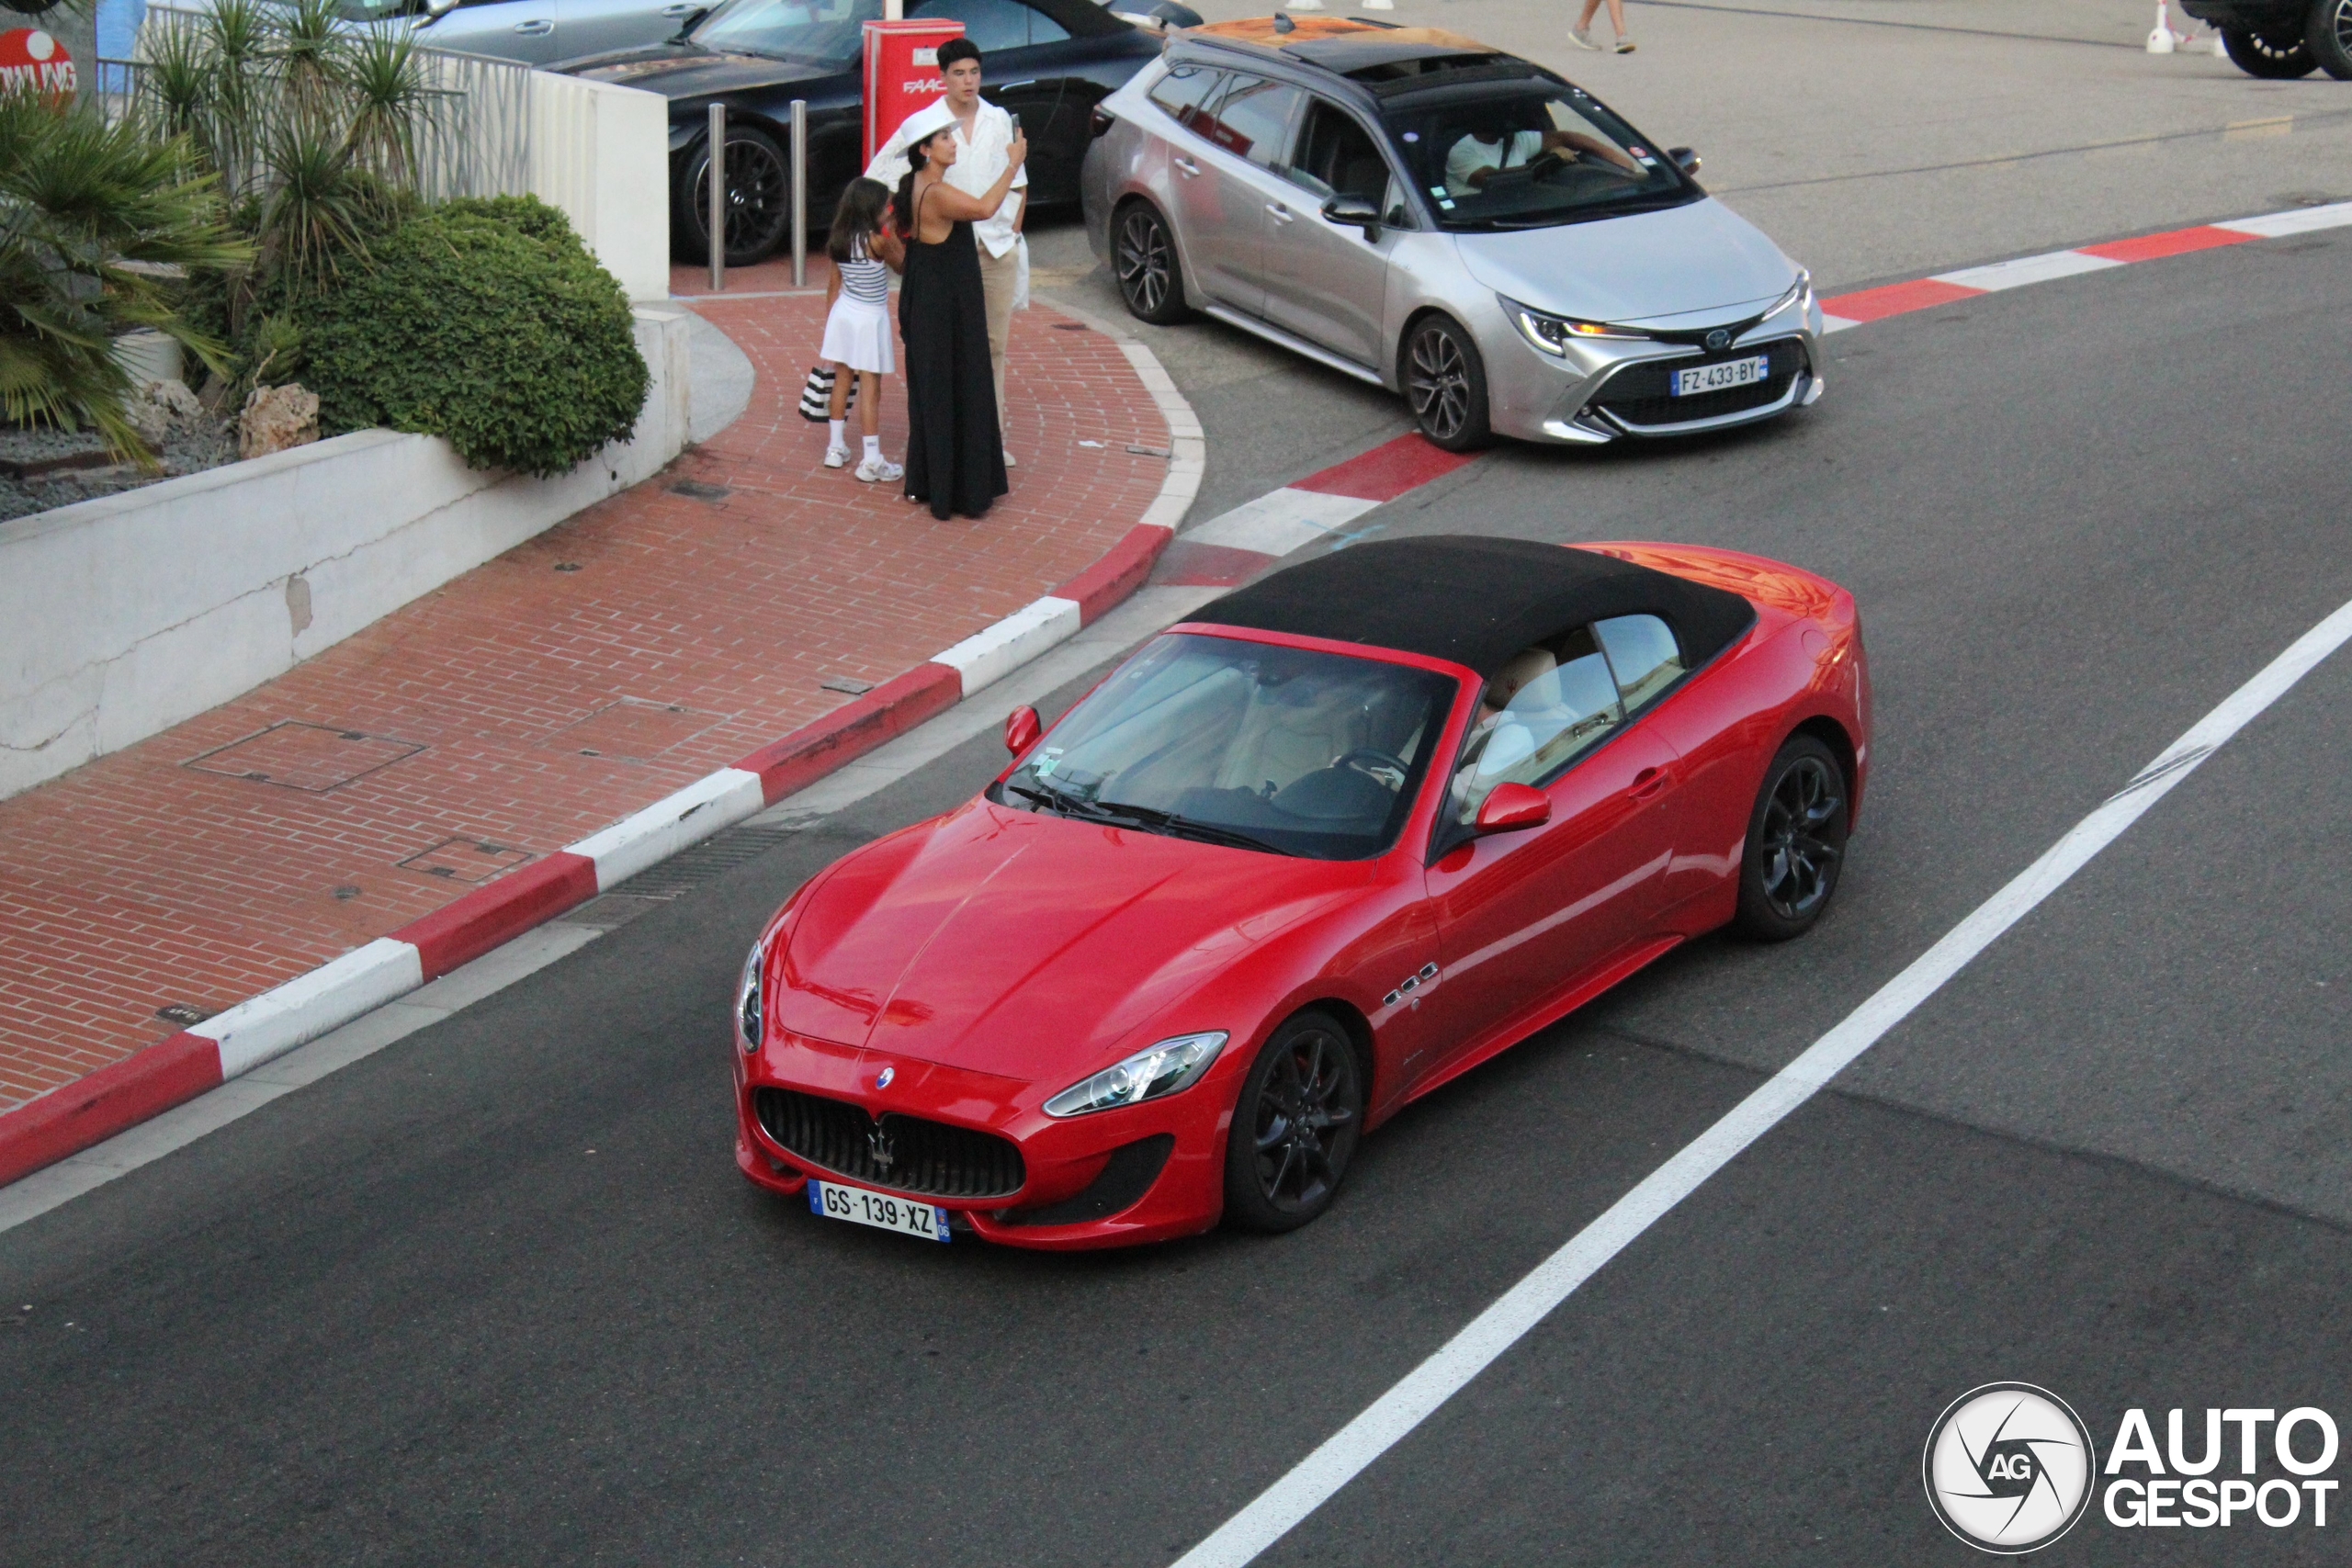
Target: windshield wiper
{"x": 1186, "y": 828}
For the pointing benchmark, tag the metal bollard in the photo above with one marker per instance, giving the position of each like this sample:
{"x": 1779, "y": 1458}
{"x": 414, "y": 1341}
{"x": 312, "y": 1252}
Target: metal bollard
{"x": 799, "y": 193}
{"x": 717, "y": 218}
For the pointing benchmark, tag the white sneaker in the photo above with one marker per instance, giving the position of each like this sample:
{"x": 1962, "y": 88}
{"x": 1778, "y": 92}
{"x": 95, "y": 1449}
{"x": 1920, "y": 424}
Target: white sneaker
{"x": 880, "y": 471}
{"x": 1582, "y": 39}
{"x": 1009, "y": 460}
{"x": 837, "y": 457}
{"x": 1625, "y": 45}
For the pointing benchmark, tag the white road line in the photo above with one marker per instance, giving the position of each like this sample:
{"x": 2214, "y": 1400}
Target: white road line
{"x": 1346, "y": 1452}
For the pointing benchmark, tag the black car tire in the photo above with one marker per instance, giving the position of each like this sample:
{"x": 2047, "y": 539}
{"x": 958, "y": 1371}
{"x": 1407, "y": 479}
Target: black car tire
{"x": 2329, "y": 37}
{"x": 759, "y": 193}
{"x": 1796, "y": 842}
{"x": 1143, "y": 258}
{"x": 1445, "y": 384}
{"x": 2275, "y": 56}
{"x": 1296, "y": 1126}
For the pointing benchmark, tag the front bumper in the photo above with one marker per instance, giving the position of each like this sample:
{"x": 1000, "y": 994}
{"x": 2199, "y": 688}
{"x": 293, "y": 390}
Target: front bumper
{"x": 1605, "y": 389}
{"x": 1149, "y": 1172}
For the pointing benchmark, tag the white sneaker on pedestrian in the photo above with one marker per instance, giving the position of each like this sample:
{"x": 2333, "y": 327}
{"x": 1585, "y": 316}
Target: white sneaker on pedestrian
{"x": 1625, "y": 46}
{"x": 1582, "y": 39}
{"x": 880, "y": 471}
{"x": 837, "y": 457}
{"x": 1009, "y": 460}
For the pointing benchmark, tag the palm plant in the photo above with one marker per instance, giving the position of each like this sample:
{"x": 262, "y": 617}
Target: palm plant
{"x": 89, "y": 214}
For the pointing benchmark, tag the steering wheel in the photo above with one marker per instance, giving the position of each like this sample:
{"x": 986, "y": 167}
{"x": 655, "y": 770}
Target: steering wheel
{"x": 1551, "y": 158}
{"x": 1387, "y": 763}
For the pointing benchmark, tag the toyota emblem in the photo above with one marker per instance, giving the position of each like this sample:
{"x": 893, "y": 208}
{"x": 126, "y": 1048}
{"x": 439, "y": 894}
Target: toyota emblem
{"x": 1718, "y": 340}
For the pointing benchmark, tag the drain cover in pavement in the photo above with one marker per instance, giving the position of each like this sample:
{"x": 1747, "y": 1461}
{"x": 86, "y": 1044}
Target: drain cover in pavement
{"x": 465, "y": 860}
{"x": 632, "y": 731}
{"x": 311, "y": 757}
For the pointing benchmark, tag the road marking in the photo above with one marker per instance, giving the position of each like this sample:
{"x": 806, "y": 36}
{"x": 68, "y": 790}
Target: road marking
{"x": 1346, "y": 1452}
{"x": 2248, "y": 130}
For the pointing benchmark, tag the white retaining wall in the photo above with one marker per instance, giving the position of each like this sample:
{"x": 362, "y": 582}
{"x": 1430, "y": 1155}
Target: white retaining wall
{"x": 602, "y": 154}
{"x": 121, "y": 617}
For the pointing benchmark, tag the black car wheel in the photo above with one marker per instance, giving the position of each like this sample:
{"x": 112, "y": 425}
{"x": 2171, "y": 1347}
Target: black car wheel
{"x": 1296, "y": 1126}
{"x": 1149, "y": 279}
{"x": 759, "y": 199}
{"x": 2283, "y": 56}
{"x": 2329, "y": 37}
{"x": 1796, "y": 842}
{"x": 1446, "y": 385}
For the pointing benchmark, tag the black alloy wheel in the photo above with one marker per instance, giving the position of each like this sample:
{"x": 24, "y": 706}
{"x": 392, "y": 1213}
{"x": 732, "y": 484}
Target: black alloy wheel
{"x": 1295, "y": 1127}
{"x": 2275, "y": 56}
{"x": 759, "y": 199}
{"x": 1446, "y": 385}
{"x": 2329, "y": 37}
{"x": 1796, "y": 842}
{"x": 1144, "y": 257}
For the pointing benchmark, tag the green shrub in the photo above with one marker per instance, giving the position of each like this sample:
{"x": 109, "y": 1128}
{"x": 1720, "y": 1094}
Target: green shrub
{"x": 483, "y": 321}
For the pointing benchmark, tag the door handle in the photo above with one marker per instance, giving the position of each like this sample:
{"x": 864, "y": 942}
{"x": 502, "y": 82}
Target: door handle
{"x": 537, "y": 28}
{"x": 1281, "y": 214}
{"x": 1650, "y": 781}
{"x": 676, "y": 10}
{"x": 1186, "y": 165}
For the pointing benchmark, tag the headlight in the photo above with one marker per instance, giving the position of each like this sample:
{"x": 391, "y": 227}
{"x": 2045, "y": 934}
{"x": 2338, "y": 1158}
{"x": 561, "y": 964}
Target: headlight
{"x": 1799, "y": 292}
{"x": 749, "y": 1008}
{"x": 1168, "y": 1066}
{"x": 1554, "y": 333}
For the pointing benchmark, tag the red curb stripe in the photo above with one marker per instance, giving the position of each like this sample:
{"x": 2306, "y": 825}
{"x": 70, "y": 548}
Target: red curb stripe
{"x": 1895, "y": 300}
{"x": 68, "y": 1120}
{"x": 888, "y": 711}
{"x": 1387, "y": 472}
{"x": 460, "y": 932}
{"x": 2176, "y": 243}
{"x": 1118, "y": 573}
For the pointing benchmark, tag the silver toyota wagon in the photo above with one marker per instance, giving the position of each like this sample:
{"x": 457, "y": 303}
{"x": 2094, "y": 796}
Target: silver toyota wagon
{"x": 1412, "y": 208}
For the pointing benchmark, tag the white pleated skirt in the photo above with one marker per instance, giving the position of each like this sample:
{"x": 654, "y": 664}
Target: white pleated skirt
{"x": 858, "y": 335}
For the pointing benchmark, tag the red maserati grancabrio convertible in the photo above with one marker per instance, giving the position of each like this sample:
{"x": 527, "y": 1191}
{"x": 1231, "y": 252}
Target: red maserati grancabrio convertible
{"x": 1340, "y": 838}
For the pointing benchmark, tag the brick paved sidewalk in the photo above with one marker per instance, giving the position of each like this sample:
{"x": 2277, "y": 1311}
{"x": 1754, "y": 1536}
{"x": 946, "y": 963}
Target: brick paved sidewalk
{"x": 655, "y": 637}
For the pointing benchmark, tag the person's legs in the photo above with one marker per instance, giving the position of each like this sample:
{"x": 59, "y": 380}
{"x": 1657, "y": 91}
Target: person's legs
{"x": 836, "y": 418}
{"x": 999, "y": 277}
{"x": 869, "y": 416}
{"x": 1617, "y": 20}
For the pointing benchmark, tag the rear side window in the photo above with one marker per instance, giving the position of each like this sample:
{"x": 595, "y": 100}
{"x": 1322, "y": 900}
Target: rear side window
{"x": 1254, "y": 119}
{"x": 1184, "y": 92}
{"x": 1643, "y": 653}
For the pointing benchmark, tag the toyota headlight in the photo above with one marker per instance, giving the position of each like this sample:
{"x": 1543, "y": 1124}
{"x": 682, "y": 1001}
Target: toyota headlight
{"x": 1799, "y": 294}
{"x": 1554, "y": 333}
{"x": 750, "y": 1006}
{"x": 1168, "y": 1066}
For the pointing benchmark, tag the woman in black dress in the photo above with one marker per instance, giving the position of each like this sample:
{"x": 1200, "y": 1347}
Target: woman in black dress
{"x": 954, "y": 451}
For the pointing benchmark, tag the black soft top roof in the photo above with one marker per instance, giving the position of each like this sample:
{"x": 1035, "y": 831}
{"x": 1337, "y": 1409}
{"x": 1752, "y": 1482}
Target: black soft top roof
{"x": 1476, "y": 601}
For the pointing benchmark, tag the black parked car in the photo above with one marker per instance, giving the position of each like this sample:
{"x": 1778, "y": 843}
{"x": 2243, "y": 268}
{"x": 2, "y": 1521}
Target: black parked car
{"x": 1050, "y": 62}
{"x": 2282, "y": 38}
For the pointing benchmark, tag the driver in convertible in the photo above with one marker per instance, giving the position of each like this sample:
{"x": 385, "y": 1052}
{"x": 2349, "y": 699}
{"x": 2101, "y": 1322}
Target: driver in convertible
{"x": 1470, "y": 163}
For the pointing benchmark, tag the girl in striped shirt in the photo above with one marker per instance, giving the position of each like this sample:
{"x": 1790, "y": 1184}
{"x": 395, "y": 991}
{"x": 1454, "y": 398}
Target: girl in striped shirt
{"x": 857, "y": 323}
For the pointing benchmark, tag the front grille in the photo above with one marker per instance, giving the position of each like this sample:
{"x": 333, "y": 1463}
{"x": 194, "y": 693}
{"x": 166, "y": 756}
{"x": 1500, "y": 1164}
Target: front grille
{"x": 930, "y": 1158}
{"x": 1638, "y": 395}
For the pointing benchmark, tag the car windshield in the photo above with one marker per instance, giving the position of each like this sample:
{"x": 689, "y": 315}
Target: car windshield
{"x": 826, "y": 32}
{"x": 1528, "y": 154}
{"x": 1243, "y": 743}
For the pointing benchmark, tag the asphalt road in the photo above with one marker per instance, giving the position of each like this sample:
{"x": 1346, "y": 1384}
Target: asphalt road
{"x": 496, "y": 1294}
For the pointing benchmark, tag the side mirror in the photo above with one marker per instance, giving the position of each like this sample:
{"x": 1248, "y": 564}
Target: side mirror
{"x": 1511, "y": 807}
{"x": 1684, "y": 159}
{"x": 1020, "y": 729}
{"x": 1168, "y": 14}
{"x": 439, "y": 7}
{"x": 1353, "y": 211}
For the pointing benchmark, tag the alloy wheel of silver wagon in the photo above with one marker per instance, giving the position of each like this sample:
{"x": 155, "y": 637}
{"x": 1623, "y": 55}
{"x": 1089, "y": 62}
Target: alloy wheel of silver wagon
{"x": 1439, "y": 387}
{"x": 1143, "y": 262}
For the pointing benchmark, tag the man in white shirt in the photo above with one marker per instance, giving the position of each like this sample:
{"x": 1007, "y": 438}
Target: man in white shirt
{"x": 983, "y": 136}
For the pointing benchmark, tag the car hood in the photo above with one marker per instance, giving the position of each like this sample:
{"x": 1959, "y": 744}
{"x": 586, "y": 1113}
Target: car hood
{"x": 1681, "y": 261}
{"x": 688, "y": 71}
{"x": 1031, "y": 946}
